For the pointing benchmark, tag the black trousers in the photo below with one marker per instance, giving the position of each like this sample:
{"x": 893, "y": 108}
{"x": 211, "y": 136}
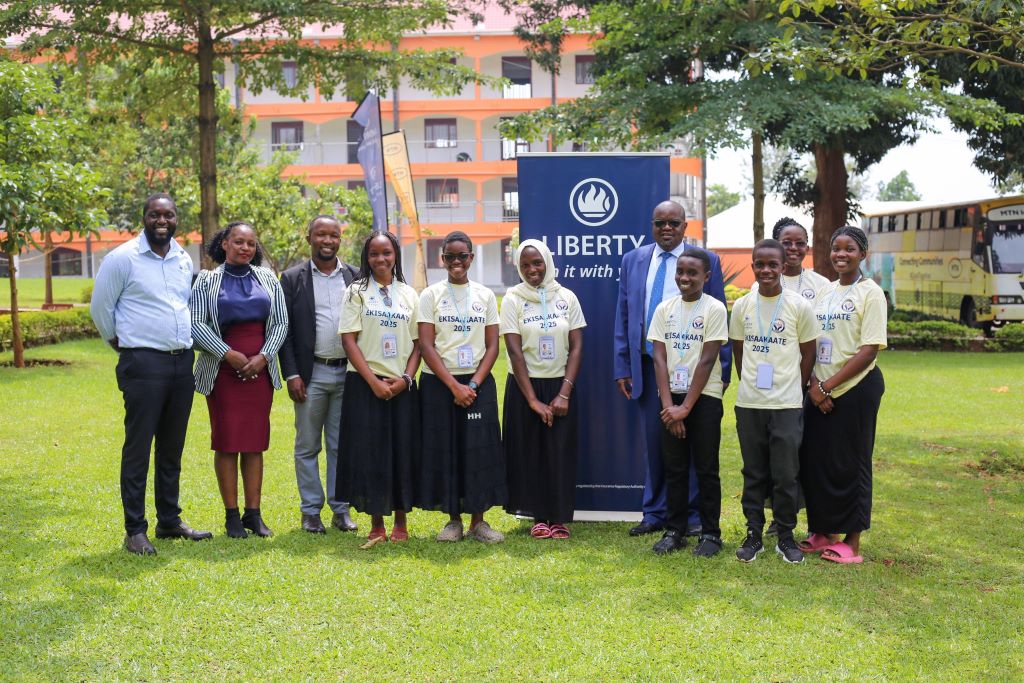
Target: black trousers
{"x": 699, "y": 446}
{"x": 157, "y": 390}
{"x": 770, "y": 445}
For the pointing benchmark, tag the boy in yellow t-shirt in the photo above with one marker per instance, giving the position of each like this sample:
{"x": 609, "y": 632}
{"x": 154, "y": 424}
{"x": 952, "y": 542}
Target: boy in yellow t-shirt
{"x": 775, "y": 331}
{"x": 687, "y": 332}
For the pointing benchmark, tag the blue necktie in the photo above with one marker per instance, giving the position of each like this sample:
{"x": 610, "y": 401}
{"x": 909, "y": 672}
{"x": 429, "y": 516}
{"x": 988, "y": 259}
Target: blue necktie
{"x": 657, "y": 292}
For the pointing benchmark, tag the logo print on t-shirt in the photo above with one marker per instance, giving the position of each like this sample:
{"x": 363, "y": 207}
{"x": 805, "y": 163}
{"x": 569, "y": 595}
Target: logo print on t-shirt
{"x": 848, "y": 306}
{"x": 779, "y": 325}
{"x": 808, "y": 293}
{"x": 698, "y": 322}
{"x": 562, "y": 305}
{"x": 478, "y": 307}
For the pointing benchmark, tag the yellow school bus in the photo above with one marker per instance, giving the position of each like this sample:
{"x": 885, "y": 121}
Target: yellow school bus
{"x": 958, "y": 261}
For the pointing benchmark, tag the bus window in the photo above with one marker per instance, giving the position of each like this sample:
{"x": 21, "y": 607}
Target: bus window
{"x": 1008, "y": 248}
{"x": 890, "y": 224}
{"x": 926, "y": 221}
{"x": 901, "y": 222}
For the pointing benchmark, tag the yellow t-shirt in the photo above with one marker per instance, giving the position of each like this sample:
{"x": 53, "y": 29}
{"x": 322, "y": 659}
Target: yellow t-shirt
{"x": 683, "y": 327}
{"x": 459, "y": 324}
{"x": 386, "y": 333}
{"x": 808, "y": 284}
{"x": 858, "y": 314}
{"x": 546, "y": 350}
{"x": 771, "y": 350}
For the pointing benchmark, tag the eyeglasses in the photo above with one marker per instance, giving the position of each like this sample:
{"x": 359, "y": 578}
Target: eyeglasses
{"x": 452, "y": 258}
{"x": 800, "y": 244}
{"x": 672, "y": 223}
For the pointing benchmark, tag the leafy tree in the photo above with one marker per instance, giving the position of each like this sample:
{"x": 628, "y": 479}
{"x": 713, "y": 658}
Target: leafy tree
{"x": 195, "y": 39}
{"x": 42, "y": 192}
{"x": 653, "y": 63}
{"x": 721, "y": 198}
{"x": 898, "y": 189}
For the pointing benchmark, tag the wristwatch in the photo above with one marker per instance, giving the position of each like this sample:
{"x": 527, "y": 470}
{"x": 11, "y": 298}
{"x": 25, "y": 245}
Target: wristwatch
{"x": 473, "y": 385}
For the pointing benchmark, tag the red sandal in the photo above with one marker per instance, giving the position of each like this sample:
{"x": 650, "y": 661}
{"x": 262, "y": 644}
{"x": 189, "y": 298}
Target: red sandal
{"x": 559, "y": 531}
{"x": 378, "y": 533}
{"x": 540, "y": 530}
{"x": 399, "y": 534}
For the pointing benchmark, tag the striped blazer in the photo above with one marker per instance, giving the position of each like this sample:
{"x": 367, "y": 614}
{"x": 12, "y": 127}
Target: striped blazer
{"x": 206, "y": 332}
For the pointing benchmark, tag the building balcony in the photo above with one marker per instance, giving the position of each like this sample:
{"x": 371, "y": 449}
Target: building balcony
{"x": 312, "y": 153}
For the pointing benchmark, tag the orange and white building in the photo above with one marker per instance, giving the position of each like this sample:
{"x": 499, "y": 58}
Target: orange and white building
{"x": 464, "y": 171}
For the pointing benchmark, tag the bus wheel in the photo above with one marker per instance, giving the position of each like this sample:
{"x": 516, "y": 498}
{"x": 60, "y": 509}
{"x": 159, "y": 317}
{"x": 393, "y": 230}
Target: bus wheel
{"x": 968, "y": 314}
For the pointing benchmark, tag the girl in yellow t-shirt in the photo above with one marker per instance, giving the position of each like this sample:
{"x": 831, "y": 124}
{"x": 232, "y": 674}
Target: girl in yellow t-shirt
{"x": 379, "y": 441}
{"x": 842, "y": 403}
{"x": 543, "y": 326}
{"x": 462, "y": 469}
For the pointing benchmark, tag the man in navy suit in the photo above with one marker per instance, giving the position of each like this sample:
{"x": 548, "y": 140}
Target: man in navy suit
{"x": 634, "y": 365}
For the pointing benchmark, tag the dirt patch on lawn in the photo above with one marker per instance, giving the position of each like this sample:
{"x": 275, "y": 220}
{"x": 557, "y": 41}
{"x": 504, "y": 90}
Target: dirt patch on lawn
{"x": 35, "y": 362}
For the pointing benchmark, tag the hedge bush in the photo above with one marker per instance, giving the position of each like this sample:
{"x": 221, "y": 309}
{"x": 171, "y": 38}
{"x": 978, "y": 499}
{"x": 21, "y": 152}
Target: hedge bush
{"x": 1010, "y": 337}
{"x": 930, "y": 334}
{"x": 48, "y": 327}
{"x": 86, "y": 295}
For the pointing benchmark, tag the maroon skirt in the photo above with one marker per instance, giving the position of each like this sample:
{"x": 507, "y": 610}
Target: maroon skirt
{"x": 240, "y": 411}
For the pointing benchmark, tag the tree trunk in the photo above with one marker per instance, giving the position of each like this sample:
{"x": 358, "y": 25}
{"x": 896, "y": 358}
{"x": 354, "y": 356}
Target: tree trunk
{"x": 208, "y": 211}
{"x": 757, "y": 171}
{"x": 830, "y": 207}
{"x": 19, "y": 349}
{"x": 48, "y": 269}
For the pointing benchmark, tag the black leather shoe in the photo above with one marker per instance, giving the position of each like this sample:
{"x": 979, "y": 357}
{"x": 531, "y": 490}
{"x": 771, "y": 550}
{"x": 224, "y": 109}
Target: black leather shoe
{"x": 254, "y": 523}
{"x": 312, "y": 524}
{"x": 693, "y": 530}
{"x": 182, "y": 531}
{"x": 139, "y": 544}
{"x": 643, "y": 528}
{"x": 669, "y": 543}
{"x": 343, "y": 521}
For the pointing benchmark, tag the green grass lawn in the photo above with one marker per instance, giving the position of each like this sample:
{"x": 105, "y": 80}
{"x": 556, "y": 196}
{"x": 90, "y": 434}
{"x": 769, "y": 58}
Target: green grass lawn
{"x": 940, "y": 596}
{"x": 32, "y": 291}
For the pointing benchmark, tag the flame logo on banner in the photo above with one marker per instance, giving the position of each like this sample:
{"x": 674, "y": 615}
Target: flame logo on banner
{"x": 593, "y": 201}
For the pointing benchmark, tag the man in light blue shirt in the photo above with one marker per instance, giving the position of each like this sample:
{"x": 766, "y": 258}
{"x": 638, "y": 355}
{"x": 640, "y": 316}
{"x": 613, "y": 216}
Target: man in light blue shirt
{"x": 140, "y": 307}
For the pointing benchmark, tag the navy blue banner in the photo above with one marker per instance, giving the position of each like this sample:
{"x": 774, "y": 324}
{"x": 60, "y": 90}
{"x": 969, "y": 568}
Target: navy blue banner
{"x": 371, "y": 157}
{"x": 590, "y": 210}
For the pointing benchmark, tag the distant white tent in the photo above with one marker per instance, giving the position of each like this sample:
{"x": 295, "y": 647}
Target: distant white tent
{"x": 733, "y": 228}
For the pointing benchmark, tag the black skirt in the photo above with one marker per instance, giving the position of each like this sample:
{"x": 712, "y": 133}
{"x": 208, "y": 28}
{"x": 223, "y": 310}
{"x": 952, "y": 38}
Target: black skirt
{"x": 462, "y": 467}
{"x": 835, "y": 458}
{"x": 540, "y": 460}
{"x": 377, "y": 448}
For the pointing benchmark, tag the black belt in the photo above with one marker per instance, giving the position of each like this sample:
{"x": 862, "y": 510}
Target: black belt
{"x": 173, "y": 352}
{"x": 330, "y": 362}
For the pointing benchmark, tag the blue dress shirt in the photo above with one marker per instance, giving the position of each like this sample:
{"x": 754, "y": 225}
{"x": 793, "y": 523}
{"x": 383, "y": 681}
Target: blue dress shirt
{"x": 142, "y": 299}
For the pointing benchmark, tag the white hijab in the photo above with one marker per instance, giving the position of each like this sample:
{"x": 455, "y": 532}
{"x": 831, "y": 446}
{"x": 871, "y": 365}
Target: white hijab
{"x": 548, "y": 286}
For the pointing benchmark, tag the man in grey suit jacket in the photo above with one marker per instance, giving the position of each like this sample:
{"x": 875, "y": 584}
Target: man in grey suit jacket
{"x": 313, "y": 364}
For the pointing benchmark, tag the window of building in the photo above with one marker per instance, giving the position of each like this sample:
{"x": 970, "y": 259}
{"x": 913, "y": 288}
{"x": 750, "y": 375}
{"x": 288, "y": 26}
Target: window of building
{"x": 584, "y": 69}
{"x": 66, "y": 261}
{"x": 354, "y": 133}
{"x": 442, "y": 190}
{"x": 286, "y": 135}
{"x": 517, "y": 70}
{"x": 290, "y": 73}
{"x": 357, "y": 184}
{"x": 511, "y": 147}
{"x": 440, "y": 133}
{"x": 5, "y": 268}
{"x": 433, "y": 252}
{"x": 510, "y": 199}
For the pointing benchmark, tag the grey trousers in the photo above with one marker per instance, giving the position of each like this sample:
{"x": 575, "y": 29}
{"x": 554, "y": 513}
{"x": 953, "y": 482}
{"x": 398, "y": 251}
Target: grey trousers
{"x": 770, "y": 445}
{"x": 317, "y": 423}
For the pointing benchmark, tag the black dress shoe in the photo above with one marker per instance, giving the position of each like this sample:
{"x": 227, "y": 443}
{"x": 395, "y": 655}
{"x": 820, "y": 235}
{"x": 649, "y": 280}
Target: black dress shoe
{"x": 312, "y": 524}
{"x": 182, "y": 531}
{"x": 254, "y": 523}
{"x": 669, "y": 543}
{"x": 343, "y": 521}
{"x": 643, "y": 528}
{"x": 139, "y": 544}
{"x": 693, "y": 530}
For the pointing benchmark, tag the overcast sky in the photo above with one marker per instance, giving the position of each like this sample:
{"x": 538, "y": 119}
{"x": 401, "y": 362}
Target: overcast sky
{"x": 939, "y": 164}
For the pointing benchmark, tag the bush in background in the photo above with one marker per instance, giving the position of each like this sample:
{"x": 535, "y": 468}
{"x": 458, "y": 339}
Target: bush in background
{"x": 1010, "y": 337}
{"x": 86, "y": 295}
{"x": 48, "y": 327}
{"x": 930, "y": 334}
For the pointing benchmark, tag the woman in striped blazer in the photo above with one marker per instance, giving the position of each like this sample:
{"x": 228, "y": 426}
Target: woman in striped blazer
{"x": 239, "y": 322}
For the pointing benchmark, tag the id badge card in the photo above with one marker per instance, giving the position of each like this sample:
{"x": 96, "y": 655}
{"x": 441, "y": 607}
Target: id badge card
{"x": 389, "y": 346}
{"x": 465, "y": 356}
{"x": 547, "y": 347}
{"x": 680, "y": 379}
{"x": 824, "y": 351}
{"x": 765, "y": 375}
